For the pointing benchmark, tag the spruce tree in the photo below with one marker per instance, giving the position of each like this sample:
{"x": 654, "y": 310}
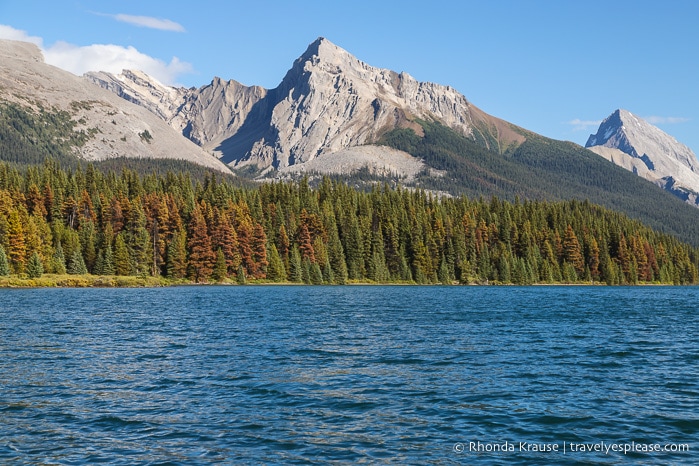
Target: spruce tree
{"x": 176, "y": 260}
{"x": 108, "y": 262}
{"x": 240, "y": 276}
{"x": 4, "y": 265}
{"x": 34, "y": 267}
{"x": 58, "y": 260}
{"x": 295, "y": 266}
{"x": 77, "y": 265}
{"x": 275, "y": 268}
{"x": 220, "y": 270}
{"x": 122, "y": 258}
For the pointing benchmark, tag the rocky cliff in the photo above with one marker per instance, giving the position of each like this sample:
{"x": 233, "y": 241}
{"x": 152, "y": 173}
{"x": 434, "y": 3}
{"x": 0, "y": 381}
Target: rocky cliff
{"x": 638, "y": 146}
{"x": 328, "y": 101}
{"x": 117, "y": 128}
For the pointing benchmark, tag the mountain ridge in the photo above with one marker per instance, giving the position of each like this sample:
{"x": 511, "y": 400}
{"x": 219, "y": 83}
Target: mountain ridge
{"x": 112, "y": 127}
{"x": 328, "y": 101}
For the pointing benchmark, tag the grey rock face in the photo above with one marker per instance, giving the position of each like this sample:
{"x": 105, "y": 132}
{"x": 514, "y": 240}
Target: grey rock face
{"x": 638, "y": 146}
{"x": 119, "y": 126}
{"x": 327, "y": 102}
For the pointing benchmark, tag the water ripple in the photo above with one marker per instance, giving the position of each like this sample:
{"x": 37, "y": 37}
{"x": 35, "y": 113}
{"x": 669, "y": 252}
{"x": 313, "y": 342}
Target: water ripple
{"x": 346, "y": 375}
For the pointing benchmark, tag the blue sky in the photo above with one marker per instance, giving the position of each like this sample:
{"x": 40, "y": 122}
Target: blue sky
{"x": 556, "y": 67}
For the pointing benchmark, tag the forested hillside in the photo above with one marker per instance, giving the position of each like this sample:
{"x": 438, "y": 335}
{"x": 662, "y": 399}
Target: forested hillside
{"x": 542, "y": 169}
{"x": 86, "y": 221}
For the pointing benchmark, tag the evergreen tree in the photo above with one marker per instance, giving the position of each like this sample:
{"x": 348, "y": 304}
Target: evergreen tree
{"x": 572, "y": 252}
{"x": 220, "y": 270}
{"x": 58, "y": 260}
{"x": 108, "y": 261}
{"x": 275, "y": 268}
{"x": 76, "y": 265}
{"x": 201, "y": 256}
{"x": 4, "y": 265}
{"x": 176, "y": 260}
{"x": 34, "y": 267}
{"x": 315, "y": 274}
{"x": 240, "y": 277}
{"x": 295, "y": 266}
{"x": 15, "y": 240}
{"x": 122, "y": 258}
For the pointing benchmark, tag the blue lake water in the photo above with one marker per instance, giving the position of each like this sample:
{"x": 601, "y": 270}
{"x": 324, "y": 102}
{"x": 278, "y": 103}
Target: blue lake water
{"x": 347, "y": 375}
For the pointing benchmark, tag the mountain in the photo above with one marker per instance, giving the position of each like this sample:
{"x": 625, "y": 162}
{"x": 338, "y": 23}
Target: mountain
{"x": 644, "y": 149}
{"x": 336, "y": 115}
{"x": 328, "y": 102}
{"x": 98, "y": 124}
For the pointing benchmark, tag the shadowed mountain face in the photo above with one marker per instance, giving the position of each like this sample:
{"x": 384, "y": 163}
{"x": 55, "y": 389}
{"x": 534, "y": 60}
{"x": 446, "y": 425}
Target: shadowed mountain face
{"x": 328, "y": 101}
{"x": 646, "y": 150}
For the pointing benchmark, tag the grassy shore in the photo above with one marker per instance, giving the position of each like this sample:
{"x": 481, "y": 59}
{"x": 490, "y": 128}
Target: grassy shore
{"x": 121, "y": 281}
{"x": 84, "y": 281}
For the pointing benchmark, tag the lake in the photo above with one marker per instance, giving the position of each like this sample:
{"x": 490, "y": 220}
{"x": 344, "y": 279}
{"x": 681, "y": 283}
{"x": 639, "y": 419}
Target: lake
{"x": 347, "y": 375}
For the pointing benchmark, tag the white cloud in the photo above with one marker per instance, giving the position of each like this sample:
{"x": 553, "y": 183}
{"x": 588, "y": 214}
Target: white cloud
{"x": 659, "y": 120}
{"x": 150, "y": 22}
{"x": 114, "y": 59}
{"x": 10, "y": 33}
{"x": 584, "y": 125}
{"x": 102, "y": 57}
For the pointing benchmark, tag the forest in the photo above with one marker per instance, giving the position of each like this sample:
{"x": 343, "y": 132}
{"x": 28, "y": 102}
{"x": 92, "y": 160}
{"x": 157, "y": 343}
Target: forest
{"x": 84, "y": 221}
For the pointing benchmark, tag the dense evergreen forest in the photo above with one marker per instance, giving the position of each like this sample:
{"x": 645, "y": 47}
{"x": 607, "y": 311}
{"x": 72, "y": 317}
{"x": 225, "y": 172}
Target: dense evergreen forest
{"x": 85, "y": 221}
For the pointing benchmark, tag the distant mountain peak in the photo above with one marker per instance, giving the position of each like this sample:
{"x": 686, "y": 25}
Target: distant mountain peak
{"x": 635, "y": 144}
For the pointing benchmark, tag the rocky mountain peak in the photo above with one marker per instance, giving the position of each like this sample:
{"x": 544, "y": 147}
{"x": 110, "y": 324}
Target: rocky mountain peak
{"x": 328, "y": 101}
{"x": 637, "y": 145}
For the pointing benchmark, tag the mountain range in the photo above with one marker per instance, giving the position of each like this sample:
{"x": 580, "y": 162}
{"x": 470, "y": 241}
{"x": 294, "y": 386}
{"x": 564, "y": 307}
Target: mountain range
{"x": 328, "y": 101}
{"x": 333, "y": 114}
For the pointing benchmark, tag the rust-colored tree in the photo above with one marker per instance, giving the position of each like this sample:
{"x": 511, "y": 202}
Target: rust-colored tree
{"x": 201, "y": 255}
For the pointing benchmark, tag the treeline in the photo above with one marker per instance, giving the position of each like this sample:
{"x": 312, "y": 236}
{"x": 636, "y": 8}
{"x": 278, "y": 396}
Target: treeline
{"x": 87, "y": 221}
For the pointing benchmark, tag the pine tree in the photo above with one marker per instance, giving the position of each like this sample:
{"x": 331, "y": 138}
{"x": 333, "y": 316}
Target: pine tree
{"x": 572, "y": 252}
{"x": 315, "y": 274}
{"x": 295, "y": 266}
{"x": 122, "y": 258}
{"x": 58, "y": 260}
{"x": 34, "y": 267}
{"x": 201, "y": 256}
{"x": 220, "y": 271}
{"x": 240, "y": 277}
{"x": 15, "y": 240}
{"x": 275, "y": 268}
{"x": 259, "y": 251}
{"x": 77, "y": 266}
{"x": 176, "y": 260}
{"x": 4, "y": 265}
{"x": 108, "y": 261}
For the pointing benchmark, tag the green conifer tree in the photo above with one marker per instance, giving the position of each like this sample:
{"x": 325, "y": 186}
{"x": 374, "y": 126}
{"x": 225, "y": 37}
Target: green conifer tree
{"x": 122, "y": 258}
{"x": 275, "y": 268}
{"x": 108, "y": 262}
{"x": 77, "y": 266}
{"x": 220, "y": 270}
{"x": 295, "y": 266}
{"x": 58, "y": 260}
{"x": 240, "y": 277}
{"x": 34, "y": 267}
{"x": 4, "y": 265}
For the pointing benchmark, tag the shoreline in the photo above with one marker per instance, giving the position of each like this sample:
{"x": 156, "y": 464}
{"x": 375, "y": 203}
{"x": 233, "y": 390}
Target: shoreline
{"x": 123, "y": 281}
